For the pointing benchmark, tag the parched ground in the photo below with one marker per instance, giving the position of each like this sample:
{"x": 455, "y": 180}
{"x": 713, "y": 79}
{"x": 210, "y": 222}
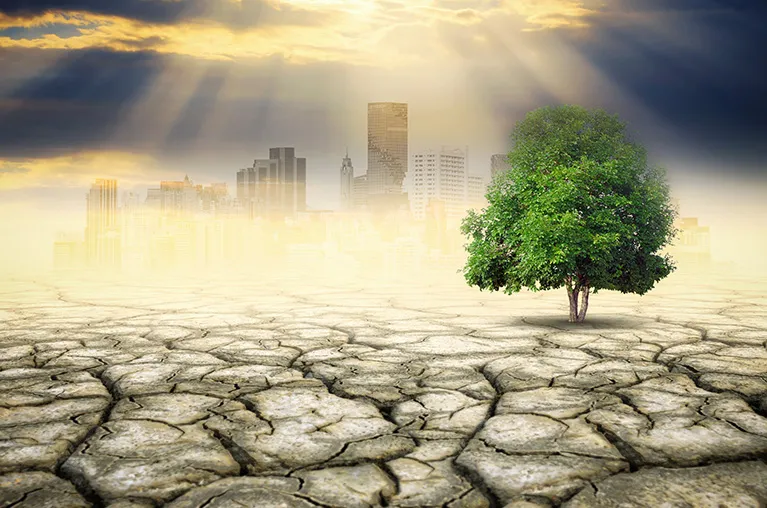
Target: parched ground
{"x": 266, "y": 392}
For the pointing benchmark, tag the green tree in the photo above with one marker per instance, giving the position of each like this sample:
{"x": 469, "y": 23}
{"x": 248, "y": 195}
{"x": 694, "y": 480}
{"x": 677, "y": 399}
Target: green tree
{"x": 579, "y": 208}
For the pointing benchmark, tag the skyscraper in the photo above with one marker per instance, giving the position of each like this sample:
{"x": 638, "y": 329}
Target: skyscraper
{"x": 476, "y": 188}
{"x": 438, "y": 175}
{"x": 360, "y": 192}
{"x": 387, "y": 154}
{"x": 102, "y": 240}
{"x": 291, "y": 172}
{"x": 347, "y": 183}
{"x": 274, "y": 187}
{"x": 498, "y": 164}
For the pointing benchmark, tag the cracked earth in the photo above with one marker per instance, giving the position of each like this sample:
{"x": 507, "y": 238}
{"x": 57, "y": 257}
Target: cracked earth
{"x": 272, "y": 392}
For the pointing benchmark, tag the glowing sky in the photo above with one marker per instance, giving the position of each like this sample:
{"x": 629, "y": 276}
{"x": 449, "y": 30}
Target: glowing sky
{"x": 142, "y": 90}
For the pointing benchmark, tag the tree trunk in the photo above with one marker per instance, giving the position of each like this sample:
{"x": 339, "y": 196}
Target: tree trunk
{"x": 572, "y": 295}
{"x": 584, "y": 305}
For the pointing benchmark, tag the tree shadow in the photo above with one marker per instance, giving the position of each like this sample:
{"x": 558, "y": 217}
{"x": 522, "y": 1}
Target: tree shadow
{"x": 597, "y": 322}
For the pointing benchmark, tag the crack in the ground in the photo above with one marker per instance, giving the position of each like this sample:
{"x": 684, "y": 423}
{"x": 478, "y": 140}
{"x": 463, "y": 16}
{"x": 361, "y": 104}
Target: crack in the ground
{"x": 428, "y": 317}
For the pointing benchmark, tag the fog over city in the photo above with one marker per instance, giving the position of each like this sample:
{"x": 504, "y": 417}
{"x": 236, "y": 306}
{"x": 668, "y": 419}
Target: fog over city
{"x": 132, "y": 93}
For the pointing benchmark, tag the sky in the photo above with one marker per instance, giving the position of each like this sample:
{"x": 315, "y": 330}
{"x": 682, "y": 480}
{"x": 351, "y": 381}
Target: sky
{"x": 144, "y": 90}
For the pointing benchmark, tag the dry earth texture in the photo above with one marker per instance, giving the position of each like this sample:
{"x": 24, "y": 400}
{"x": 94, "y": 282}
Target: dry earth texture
{"x": 269, "y": 392}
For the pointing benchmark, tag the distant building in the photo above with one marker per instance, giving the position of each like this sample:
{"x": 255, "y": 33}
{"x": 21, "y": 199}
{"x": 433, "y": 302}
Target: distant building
{"x": 130, "y": 201}
{"x": 214, "y": 197}
{"x": 360, "y": 192}
{"x": 693, "y": 243}
{"x": 438, "y": 175}
{"x": 273, "y": 187}
{"x": 347, "y": 183}
{"x": 476, "y": 188}
{"x": 102, "y": 239}
{"x": 387, "y": 155}
{"x": 175, "y": 197}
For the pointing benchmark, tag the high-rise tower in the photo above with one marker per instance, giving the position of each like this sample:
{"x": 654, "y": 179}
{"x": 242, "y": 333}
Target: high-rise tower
{"x": 438, "y": 175}
{"x": 347, "y": 183}
{"x": 387, "y": 154}
{"x": 102, "y": 241}
{"x": 274, "y": 187}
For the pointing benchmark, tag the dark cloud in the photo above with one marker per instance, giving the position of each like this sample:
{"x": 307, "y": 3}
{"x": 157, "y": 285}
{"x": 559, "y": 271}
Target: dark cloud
{"x": 244, "y": 14}
{"x": 707, "y": 82}
{"x": 94, "y": 100}
{"x": 744, "y": 6}
{"x": 73, "y": 104}
{"x": 147, "y": 10}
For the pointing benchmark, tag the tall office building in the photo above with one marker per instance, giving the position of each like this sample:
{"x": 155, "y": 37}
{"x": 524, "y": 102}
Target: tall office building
{"x": 476, "y": 188}
{"x": 175, "y": 197}
{"x": 273, "y": 187}
{"x": 360, "y": 192}
{"x": 439, "y": 175}
{"x": 102, "y": 239}
{"x": 387, "y": 154}
{"x": 498, "y": 164}
{"x": 347, "y": 183}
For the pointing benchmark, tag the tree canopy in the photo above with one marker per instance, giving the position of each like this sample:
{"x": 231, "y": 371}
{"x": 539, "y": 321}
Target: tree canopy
{"x": 579, "y": 207}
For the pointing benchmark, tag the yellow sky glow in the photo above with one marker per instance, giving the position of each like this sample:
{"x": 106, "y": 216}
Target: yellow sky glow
{"x": 77, "y": 170}
{"x": 351, "y": 31}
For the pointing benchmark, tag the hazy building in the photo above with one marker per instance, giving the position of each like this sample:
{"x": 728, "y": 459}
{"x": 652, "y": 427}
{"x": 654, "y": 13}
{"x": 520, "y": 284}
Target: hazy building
{"x": 175, "y": 197}
{"x": 292, "y": 172}
{"x": 694, "y": 241}
{"x": 476, "y": 188}
{"x": 130, "y": 201}
{"x": 273, "y": 187}
{"x": 498, "y": 163}
{"x": 360, "y": 192}
{"x": 439, "y": 175}
{"x": 214, "y": 197}
{"x": 387, "y": 154}
{"x": 102, "y": 239}
{"x": 347, "y": 183}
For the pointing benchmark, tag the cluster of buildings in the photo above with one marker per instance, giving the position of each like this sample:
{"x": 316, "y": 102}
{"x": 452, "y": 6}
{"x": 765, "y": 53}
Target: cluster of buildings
{"x": 405, "y": 207}
{"x": 403, "y": 211}
{"x": 395, "y": 179}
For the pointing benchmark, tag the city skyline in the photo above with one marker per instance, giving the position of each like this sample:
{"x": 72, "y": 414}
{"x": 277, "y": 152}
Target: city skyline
{"x": 390, "y": 171}
{"x": 182, "y": 226}
{"x": 432, "y": 181}
{"x": 145, "y": 91}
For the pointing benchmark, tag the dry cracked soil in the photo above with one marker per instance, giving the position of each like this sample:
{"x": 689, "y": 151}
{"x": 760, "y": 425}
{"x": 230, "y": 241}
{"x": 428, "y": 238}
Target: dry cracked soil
{"x": 283, "y": 393}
